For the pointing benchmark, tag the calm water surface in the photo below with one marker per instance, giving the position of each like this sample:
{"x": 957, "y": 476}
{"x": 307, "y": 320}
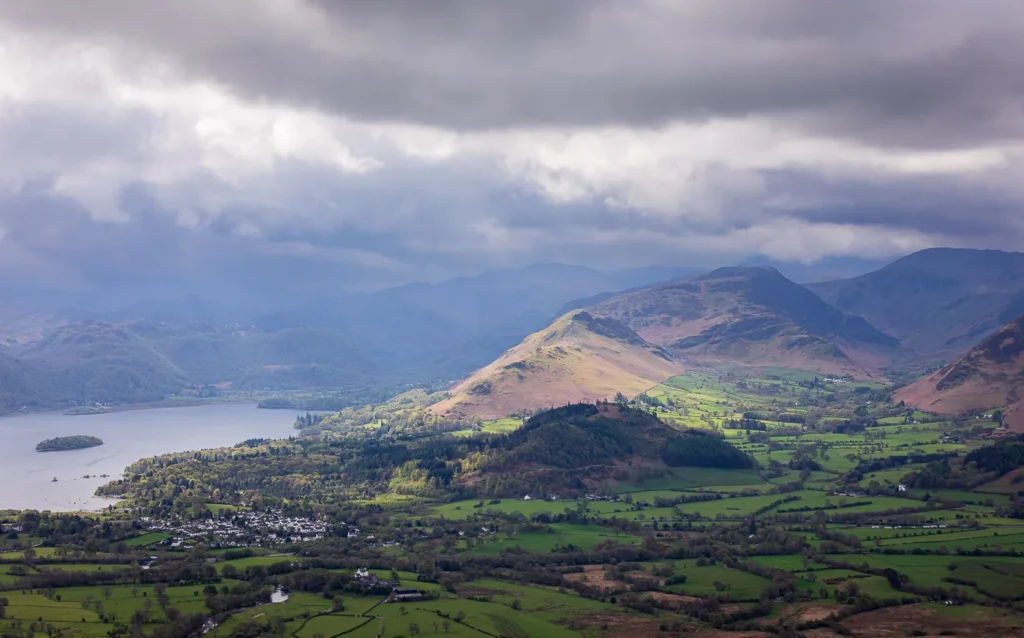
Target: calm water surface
{"x": 26, "y": 476}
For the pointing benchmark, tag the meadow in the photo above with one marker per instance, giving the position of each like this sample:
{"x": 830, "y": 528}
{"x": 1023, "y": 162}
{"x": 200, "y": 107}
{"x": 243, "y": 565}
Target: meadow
{"x": 811, "y": 529}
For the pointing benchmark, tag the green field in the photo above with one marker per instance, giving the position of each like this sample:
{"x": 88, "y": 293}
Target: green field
{"x": 146, "y": 539}
{"x": 847, "y": 486}
{"x": 560, "y": 535}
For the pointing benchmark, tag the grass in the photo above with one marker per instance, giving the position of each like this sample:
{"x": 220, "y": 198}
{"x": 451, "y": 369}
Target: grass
{"x": 700, "y": 581}
{"x": 241, "y": 564}
{"x": 329, "y": 625}
{"x": 220, "y": 508}
{"x": 146, "y": 539}
{"x": 297, "y": 605}
{"x": 561, "y": 534}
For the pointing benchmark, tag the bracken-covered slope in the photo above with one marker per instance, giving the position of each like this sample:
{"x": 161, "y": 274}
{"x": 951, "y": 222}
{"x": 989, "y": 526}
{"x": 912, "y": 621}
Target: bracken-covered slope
{"x": 990, "y": 375}
{"x": 580, "y": 357}
{"x": 937, "y": 302}
{"x": 751, "y": 315}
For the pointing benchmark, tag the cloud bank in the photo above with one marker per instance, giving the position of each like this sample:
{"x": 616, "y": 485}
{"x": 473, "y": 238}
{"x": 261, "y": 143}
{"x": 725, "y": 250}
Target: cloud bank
{"x": 358, "y": 144}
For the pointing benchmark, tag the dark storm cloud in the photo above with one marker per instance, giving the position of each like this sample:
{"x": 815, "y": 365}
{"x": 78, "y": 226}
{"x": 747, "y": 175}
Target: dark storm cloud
{"x": 233, "y": 213}
{"x": 924, "y": 73}
{"x": 945, "y": 206}
{"x": 52, "y": 243}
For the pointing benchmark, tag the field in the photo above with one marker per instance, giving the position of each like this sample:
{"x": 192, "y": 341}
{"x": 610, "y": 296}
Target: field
{"x": 146, "y": 540}
{"x": 857, "y": 508}
{"x": 479, "y": 608}
{"x": 559, "y": 535}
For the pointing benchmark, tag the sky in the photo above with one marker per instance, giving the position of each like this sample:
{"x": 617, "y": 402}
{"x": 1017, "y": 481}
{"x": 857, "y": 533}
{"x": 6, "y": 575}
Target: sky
{"x": 354, "y": 144}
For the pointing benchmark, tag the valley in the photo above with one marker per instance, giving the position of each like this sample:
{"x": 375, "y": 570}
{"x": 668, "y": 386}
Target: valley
{"x": 511, "y": 319}
{"x": 846, "y": 510}
{"x": 723, "y": 454}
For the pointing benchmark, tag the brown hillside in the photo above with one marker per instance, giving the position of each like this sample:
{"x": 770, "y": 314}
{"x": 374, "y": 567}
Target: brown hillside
{"x": 990, "y": 375}
{"x": 754, "y": 316}
{"x": 580, "y": 357}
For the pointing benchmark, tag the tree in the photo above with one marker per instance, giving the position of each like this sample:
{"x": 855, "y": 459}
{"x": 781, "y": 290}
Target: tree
{"x": 414, "y": 629}
{"x": 338, "y": 604}
{"x": 447, "y": 624}
{"x": 107, "y": 592}
{"x": 517, "y": 605}
{"x": 460, "y": 616}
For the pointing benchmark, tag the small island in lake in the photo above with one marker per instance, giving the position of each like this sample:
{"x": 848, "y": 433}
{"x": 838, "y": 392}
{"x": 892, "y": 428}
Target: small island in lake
{"x": 62, "y": 443}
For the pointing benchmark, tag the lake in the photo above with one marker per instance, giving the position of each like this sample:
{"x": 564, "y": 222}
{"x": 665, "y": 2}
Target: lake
{"x": 26, "y": 476}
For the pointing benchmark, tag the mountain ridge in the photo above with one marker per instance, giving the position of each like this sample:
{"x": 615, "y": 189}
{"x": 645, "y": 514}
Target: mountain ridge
{"x": 751, "y": 315}
{"x": 989, "y": 375}
{"x": 579, "y": 357}
{"x": 938, "y": 302}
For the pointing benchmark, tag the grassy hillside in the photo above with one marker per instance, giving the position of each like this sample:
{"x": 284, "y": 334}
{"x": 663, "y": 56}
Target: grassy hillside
{"x": 990, "y": 375}
{"x": 579, "y": 357}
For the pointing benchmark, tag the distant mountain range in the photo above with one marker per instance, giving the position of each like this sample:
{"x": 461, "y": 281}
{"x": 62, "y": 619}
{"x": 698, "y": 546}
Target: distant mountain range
{"x": 921, "y": 310}
{"x": 937, "y": 302}
{"x": 751, "y": 315}
{"x": 990, "y": 375}
{"x": 413, "y": 334}
{"x": 84, "y": 364}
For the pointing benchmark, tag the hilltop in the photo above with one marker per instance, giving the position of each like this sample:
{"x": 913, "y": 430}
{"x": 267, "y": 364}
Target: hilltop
{"x": 989, "y": 375}
{"x": 751, "y": 315}
{"x": 580, "y": 446}
{"x": 579, "y": 357}
{"x": 937, "y": 302}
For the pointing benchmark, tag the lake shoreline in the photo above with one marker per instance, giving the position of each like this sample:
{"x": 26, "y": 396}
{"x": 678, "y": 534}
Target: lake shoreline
{"x": 128, "y": 435}
{"x": 130, "y": 407}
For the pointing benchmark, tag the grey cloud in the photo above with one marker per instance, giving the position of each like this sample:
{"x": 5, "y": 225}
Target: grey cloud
{"x": 931, "y": 74}
{"x": 915, "y": 74}
{"x": 949, "y": 207}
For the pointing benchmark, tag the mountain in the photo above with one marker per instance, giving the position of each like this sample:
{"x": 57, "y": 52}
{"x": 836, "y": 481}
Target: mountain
{"x": 826, "y": 269}
{"x": 580, "y": 357}
{"x": 751, "y": 315}
{"x": 937, "y": 302}
{"x": 248, "y": 358}
{"x": 989, "y": 375}
{"x": 89, "y": 363}
{"x": 96, "y": 362}
{"x": 16, "y": 384}
{"x": 584, "y": 446}
{"x": 449, "y": 328}
{"x": 418, "y": 333}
